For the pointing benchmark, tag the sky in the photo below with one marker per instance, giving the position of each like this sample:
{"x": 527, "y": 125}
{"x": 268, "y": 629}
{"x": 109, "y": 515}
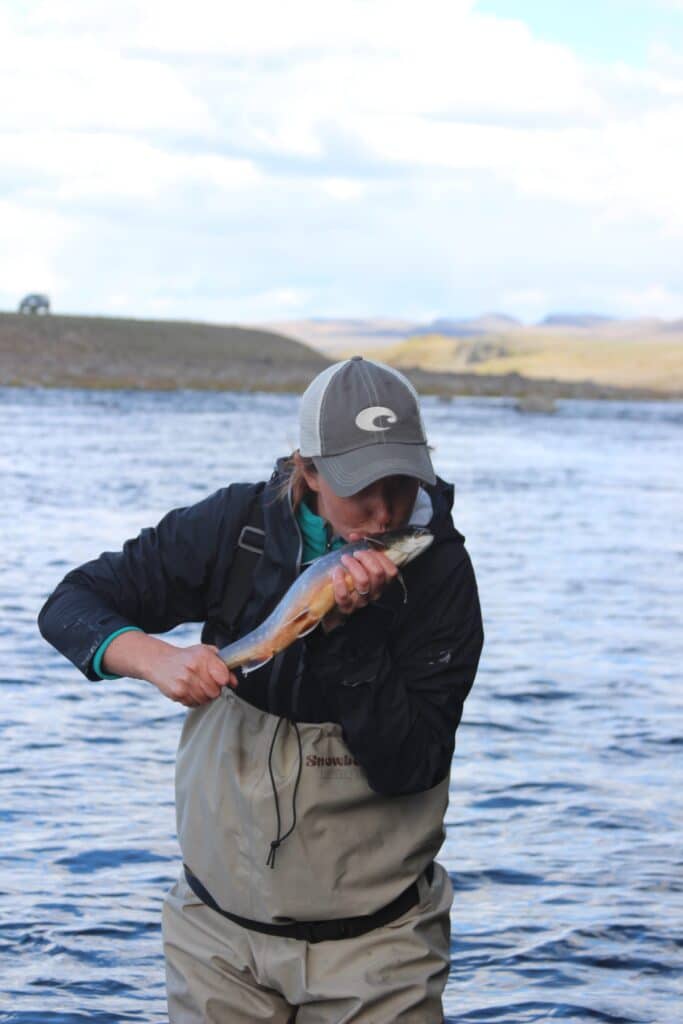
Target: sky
{"x": 252, "y": 162}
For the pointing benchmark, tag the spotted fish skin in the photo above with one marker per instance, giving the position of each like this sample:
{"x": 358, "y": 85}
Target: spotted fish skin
{"x": 311, "y": 597}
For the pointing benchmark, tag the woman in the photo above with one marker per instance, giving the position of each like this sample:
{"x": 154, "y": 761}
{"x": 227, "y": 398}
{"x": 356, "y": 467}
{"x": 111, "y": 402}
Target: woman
{"x": 310, "y": 793}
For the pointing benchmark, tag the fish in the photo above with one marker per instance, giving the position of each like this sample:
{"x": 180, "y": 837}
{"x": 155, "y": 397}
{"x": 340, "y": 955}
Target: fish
{"x": 311, "y": 597}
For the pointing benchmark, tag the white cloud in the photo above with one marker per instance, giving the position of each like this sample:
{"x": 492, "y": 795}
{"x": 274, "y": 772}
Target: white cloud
{"x": 281, "y": 298}
{"x": 87, "y": 84}
{"x": 271, "y": 304}
{"x": 266, "y": 27}
{"x": 265, "y": 114}
{"x": 528, "y": 304}
{"x": 342, "y": 188}
{"x": 438, "y": 86}
{"x": 84, "y": 166}
{"x": 655, "y": 300}
{"x": 31, "y": 244}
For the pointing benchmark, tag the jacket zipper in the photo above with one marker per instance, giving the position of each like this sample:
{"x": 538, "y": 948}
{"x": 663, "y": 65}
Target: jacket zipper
{"x": 300, "y": 550}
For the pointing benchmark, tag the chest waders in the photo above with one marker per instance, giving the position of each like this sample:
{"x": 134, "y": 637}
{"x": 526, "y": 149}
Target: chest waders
{"x": 351, "y": 857}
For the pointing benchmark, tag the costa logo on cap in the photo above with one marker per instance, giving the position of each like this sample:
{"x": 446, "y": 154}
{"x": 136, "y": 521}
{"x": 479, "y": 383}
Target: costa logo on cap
{"x": 360, "y": 421}
{"x": 367, "y": 418}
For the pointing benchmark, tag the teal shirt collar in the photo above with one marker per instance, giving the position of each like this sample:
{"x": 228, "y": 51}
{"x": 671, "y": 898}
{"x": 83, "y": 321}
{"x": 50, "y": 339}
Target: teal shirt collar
{"x": 314, "y": 528}
{"x": 314, "y": 533}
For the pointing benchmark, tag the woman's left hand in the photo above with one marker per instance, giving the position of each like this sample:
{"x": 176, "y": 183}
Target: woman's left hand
{"x": 370, "y": 571}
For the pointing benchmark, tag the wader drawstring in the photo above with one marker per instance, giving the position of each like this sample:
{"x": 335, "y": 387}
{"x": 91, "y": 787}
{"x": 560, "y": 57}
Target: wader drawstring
{"x": 270, "y": 861}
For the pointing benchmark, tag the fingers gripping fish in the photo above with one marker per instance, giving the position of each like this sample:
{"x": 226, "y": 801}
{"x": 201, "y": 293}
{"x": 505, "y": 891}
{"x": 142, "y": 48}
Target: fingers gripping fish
{"x": 311, "y": 597}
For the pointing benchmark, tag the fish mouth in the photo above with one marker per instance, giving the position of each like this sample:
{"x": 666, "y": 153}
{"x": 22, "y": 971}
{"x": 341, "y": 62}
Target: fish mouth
{"x": 407, "y": 543}
{"x": 417, "y": 533}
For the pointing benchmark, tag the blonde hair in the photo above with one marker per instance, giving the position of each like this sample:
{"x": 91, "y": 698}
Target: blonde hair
{"x": 295, "y": 466}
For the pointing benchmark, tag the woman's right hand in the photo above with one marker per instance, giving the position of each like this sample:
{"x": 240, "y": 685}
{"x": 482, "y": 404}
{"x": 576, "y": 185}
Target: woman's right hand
{"x": 192, "y": 675}
{"x": 189, "y": 675}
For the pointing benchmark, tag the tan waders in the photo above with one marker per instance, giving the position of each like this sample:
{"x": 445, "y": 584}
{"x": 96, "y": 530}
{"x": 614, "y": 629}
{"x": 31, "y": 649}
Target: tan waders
{"x": 278, "y": 824}
{"x": 220, "y": 973}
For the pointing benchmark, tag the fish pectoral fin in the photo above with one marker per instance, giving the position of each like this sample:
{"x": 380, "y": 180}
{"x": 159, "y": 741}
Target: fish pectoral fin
{"x": 302, "y": 616}
{"x": 310, "y": 628}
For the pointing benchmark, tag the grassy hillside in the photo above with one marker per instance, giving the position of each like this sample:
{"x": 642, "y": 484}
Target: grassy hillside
{"x": 100, "y": 352}
{"x": 652, "y": 362}
{"x": 66, "y": 351}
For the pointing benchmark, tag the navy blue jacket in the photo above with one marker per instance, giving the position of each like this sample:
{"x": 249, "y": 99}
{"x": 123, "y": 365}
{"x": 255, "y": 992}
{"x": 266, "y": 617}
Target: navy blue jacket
{"x": 395, "y": 676}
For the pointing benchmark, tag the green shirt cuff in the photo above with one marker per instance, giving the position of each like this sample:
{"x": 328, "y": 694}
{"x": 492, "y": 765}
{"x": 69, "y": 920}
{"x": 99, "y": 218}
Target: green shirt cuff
{"x": 99, "y": 653}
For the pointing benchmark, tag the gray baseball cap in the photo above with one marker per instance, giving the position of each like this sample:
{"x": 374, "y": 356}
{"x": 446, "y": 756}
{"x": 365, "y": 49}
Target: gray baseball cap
{"x": 360, "y": 421}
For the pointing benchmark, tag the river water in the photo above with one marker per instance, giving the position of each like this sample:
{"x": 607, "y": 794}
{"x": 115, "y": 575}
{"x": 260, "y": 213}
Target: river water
{"x": 565, "y": 826}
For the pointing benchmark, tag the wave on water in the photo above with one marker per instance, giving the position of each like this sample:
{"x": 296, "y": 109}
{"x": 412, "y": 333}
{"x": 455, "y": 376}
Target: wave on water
{"x": 565, "y": 824}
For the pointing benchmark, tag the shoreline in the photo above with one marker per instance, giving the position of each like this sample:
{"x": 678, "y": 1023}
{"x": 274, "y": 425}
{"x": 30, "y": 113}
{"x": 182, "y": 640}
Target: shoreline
{"x": 99, "y": 354}
{"x": 446, "y": 386}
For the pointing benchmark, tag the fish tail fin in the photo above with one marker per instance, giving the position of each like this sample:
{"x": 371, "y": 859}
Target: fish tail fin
{"x": 244, "y": 655}
{"x": 251, "y": 666}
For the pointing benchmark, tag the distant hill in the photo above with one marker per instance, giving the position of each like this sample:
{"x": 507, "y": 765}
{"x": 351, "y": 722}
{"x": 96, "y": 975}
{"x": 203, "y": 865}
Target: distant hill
{"x": 648, "y": 361}
{"x": 672, "y": 326}
{"x": 72, "y": 351}
{"x": 346, "y": 336}
{"x": 622, "y": 360}
{"x": 342, "y": 337}
{"x": 643, "y": 354}
{"x": 472, "y": 327}
{"x": 575, "y": 320}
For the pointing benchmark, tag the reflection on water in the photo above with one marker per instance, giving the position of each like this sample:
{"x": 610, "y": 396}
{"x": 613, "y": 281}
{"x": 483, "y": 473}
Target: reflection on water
{"x": 564, "y": 832}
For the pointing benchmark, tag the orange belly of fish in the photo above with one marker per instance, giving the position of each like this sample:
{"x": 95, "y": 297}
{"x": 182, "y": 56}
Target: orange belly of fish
{"x": 320, "y": 602}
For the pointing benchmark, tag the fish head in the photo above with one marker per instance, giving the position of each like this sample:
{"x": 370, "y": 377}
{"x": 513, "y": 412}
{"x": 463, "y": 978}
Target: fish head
{"x": 402, "y": 546}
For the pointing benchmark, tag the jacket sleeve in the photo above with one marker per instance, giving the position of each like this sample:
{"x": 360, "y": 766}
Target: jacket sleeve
{"x": 158, "y": 580}
{"x": 399, "y": 699}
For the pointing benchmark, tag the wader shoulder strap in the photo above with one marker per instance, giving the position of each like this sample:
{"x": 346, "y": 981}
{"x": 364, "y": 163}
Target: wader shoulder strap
{"x": 247, "y": 553}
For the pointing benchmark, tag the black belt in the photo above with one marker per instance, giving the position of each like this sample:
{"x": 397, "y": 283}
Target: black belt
{"x": 319, "y": 931}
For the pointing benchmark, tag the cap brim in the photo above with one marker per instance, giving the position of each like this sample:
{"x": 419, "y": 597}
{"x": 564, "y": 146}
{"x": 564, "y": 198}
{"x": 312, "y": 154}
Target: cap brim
{"x": 352, "y": 471}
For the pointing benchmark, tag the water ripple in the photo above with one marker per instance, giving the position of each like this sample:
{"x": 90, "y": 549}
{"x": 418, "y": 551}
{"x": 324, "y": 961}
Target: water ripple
{"x": 565, "y": 824}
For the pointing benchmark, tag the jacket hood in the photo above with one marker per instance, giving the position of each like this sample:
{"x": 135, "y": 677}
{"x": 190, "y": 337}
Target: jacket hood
{"x": 442, "y": 495}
